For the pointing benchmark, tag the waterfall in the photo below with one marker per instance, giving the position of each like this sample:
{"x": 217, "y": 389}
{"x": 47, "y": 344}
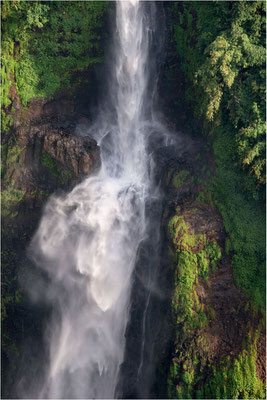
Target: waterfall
{"x": 87, "y": 240}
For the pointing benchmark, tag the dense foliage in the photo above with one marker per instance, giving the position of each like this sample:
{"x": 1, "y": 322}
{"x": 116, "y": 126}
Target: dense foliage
{"x": 44, "y": 44}
{"x": 219, "y": 64}
{"x": 193, "y": 372}
{"x": 221, "y": 51}
{"x": 244, "y": 220}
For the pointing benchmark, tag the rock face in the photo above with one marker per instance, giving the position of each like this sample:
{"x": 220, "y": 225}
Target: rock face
{"x": 40, "y": 155}
{"x": 51, "y": 158}
{"x": 217, "y": 335}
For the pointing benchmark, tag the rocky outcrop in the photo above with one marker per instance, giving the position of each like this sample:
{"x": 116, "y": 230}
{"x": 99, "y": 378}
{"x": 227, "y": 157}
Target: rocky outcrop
{"x": 41, "y": 154}
{"x": 50, "y": 158}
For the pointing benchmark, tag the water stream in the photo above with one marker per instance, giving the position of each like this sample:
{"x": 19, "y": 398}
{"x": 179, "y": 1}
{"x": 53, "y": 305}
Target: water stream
{"x": 88, "y": 239}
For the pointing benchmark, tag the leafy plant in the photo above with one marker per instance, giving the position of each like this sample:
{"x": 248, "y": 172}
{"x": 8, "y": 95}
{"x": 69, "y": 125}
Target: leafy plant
{"x": 44, "y": 44}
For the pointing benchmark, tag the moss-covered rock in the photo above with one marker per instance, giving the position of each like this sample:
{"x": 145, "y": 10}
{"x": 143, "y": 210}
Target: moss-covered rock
{"x": 215, "y": 348}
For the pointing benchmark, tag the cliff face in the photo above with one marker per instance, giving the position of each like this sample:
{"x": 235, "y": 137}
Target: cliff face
{"x": 214, "y": 224}
{"x": 217, "y": 348}
{"x": 40, "y": 156}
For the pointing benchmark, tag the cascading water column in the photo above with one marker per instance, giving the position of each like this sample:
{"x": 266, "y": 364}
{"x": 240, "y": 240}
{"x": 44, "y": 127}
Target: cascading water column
{"x": 87, "y": 240}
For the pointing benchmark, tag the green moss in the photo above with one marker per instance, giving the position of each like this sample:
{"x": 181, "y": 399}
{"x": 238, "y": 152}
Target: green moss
{"x": 213, "y": 251}
{"x": 10, "y": 153}
{"x": 211, "y": 312}
{"x": 180, "y": 178}
{"x": 191, "y": 263}
{"x": 63, "y": 176}
{"x": 67, "y": 175}
{"x": 185, "y": 275}
{"x": 232, "y": 379}
{"x": 10, "y": 200}
{"x": 174, "y": 370}
{"x": 48, "y": 162}
{"x": 6, "y": 121}
{"x": 188, "y": 377}
{"x": 182, "y": 238}
{"x": 14, "y": 153}
{"x": 237, "y": 379}
{"x": 203, "y": 263}
{"x": 194, "y": 255}
{"x": 205, "y": 196}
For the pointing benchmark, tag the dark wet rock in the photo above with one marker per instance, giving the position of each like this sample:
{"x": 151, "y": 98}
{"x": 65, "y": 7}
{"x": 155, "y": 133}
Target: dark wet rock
{"x": 56, "y": 153}
{"x": 42, "y": 154}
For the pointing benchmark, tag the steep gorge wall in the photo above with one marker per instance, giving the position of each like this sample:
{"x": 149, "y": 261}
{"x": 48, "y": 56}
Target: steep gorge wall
{"x": 213, "y": 345}
{"x": 215, "y": 223}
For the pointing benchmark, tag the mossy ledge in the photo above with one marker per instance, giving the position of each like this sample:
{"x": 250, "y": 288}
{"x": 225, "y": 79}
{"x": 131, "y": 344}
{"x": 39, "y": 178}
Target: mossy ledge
{"x": 217, "y": 329}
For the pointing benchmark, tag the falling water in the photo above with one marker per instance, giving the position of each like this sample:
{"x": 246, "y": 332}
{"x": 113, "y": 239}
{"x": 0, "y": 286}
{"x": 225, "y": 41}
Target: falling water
{"x": 88, "y": 239}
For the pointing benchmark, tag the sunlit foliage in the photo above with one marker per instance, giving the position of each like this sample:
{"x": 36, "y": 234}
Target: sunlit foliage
{"x": 221, "y": 47}
{"x": 222, "y": 50}
{"x": 44, "y": 44}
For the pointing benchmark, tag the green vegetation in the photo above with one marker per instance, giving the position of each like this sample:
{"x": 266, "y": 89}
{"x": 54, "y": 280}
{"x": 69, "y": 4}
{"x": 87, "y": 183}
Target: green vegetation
{"x": 195, "y": 255}
{"x": 233, "y": 379}
{"x": 244, "y": 221}
{"x": 44, "y": 44}
{"x": 10, "y": 153}
{"x": 180, "y": 178}
{"x": 221, "y": 51}
{"x": 10, "y": 200}
{"x": 191, "y": 375}
{"x": 63, "y": 176}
